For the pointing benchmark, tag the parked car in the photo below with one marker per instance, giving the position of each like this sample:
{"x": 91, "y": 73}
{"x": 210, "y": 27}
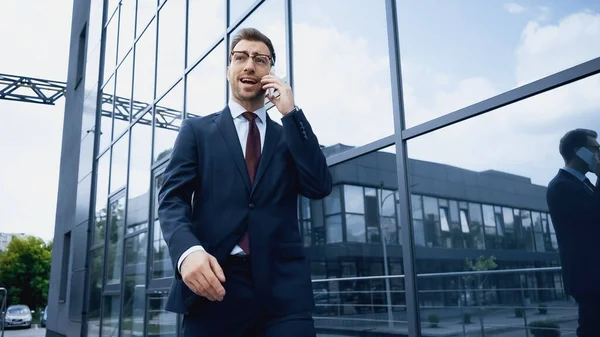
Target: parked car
{"x": 44, "y": 317}
{"x": 18, "y": 316}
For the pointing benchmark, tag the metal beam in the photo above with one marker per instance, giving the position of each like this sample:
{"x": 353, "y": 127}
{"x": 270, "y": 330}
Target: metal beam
{"x": 31, "y": 90}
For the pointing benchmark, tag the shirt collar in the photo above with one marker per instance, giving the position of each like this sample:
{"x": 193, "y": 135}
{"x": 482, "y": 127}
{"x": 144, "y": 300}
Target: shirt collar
{"x": 237, "y": 110}
{"x": 575, "y": 173}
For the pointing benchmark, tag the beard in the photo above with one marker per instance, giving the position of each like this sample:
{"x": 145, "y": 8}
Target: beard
{"x": 251, "y": 96}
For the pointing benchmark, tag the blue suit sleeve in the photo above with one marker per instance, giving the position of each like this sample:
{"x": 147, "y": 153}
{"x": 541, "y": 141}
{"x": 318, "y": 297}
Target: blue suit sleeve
{"x": 175, "y": 196}
{"x": 314, "y": 175}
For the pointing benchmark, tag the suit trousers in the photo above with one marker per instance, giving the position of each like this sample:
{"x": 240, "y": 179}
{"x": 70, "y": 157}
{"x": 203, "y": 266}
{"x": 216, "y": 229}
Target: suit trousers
{"x": 241, "y": 313}
{"x": 589, "y": 315}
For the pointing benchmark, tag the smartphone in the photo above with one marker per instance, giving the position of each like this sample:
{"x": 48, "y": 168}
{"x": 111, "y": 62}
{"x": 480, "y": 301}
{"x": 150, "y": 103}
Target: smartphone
{"x": 271, "y": 91}
{"x": 588, "y": 157}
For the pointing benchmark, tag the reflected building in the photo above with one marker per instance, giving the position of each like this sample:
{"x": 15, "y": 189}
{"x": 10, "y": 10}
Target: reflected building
{"x": 395, "y": 233}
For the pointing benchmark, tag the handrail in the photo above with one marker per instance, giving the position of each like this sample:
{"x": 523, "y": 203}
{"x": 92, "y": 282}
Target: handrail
{"x": 462, "y": 273}
{"x": 3, "y": 311}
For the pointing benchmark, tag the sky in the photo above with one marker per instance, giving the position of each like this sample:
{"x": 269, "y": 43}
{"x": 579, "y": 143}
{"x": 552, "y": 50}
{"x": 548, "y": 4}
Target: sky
{"x": 454, "y": 53}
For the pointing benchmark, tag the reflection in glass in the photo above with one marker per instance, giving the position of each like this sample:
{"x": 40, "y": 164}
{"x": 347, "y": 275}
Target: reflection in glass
{"x": 167, "y": 115}
{"x": 122, "y": 112}
{"x": 99, "y": 231}
{"x": 108, "y": 94}
{"x": 110, "y": 51}
{"x": 171, "y": 44}
{"x": 110, "y": 315}
{"x": 206, "y": 85}
{"x": 206, "y": 21}
{"x": 134, "y": 298}
{"x": 536, "y": 41}
{"x": 126, "y": 27}
{"x": 115, "y": 240}
{"x": 143, "y": 90}
{"x": 239, "y": 7}
{"x": 161, "y": 260}
{"x": 160, "y": 322}
{"x": 95, "y": 297}
{"x": 118, "y": 172}
{"x": 344, "y": 45}
{"x": 139, "y": 177}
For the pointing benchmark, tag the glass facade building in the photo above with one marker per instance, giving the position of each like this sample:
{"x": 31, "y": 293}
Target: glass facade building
{"x": 441, "y": 132}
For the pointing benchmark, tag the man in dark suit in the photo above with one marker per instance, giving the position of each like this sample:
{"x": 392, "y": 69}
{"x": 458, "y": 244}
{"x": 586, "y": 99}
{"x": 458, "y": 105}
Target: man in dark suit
{"x": 228, "y": 207}
{"x": 574, "y": 204}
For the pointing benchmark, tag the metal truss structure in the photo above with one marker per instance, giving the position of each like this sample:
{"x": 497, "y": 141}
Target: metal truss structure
{"x": 35, "y": 90}
{"x": 30, "y": 90}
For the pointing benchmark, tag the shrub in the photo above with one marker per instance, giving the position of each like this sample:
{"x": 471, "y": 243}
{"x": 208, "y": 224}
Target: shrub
{"x": 543, "y": 309}
{"x": 542, "y": 329}
{"x": 434, "y": 320}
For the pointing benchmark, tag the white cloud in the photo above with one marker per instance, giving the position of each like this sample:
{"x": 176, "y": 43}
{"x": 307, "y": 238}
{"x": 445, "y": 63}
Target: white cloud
{"x": 545, "y": 49}
{"x": 514, "y": 8}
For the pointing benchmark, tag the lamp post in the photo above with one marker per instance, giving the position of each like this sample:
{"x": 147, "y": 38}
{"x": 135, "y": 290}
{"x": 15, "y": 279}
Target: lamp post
{"x": 385, "y": 258}
{"x": 3, "y": 310}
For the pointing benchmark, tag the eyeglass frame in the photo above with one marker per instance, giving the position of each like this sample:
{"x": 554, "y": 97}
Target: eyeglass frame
{"x": 271, "y": 61}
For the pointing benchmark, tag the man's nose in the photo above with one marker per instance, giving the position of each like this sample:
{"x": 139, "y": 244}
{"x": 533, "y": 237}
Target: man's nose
{"x": 249, "y": 66}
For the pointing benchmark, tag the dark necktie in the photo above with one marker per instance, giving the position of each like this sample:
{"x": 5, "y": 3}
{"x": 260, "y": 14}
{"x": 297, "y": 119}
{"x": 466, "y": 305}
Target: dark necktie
{"x": 252, "y": 160}
{"x": 589, "y": 184}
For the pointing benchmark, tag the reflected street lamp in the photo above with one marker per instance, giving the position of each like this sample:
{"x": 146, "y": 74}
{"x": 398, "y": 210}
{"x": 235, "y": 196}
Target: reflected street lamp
{"x": 385, "y": 258}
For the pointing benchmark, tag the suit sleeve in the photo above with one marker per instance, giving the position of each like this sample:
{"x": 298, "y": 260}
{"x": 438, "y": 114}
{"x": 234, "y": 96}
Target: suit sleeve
{"x": 314, "y": 174}
{"x": 175, "y": 208}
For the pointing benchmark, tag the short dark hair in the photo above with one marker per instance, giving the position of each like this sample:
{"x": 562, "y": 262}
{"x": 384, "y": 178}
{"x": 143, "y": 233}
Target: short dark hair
{"x": 574, "y": 139}
{"x": 253, "y": 34}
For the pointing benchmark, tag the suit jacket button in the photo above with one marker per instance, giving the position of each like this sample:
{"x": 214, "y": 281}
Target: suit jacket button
{"x": 251, "y": 206}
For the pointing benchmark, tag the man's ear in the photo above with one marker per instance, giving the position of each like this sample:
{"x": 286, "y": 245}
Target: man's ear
{"x": 227, "y": 74}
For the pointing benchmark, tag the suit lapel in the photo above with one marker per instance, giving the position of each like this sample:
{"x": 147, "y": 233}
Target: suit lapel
{"x": 225, "y": 123}
{"x": 271, "y": 140}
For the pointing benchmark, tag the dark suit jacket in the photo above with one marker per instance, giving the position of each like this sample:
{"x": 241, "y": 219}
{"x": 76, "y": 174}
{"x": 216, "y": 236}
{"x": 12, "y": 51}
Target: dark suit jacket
{"x": 207, "y": 200}
{"x": 575, "y": 212}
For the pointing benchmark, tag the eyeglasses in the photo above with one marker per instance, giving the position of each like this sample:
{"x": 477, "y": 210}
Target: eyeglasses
{"x": 241, "y": 57}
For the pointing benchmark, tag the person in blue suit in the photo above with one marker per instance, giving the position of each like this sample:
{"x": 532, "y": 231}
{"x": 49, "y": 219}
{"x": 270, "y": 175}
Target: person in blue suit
{"x": 574, "y": 204}
{"x": 228, "y": 206}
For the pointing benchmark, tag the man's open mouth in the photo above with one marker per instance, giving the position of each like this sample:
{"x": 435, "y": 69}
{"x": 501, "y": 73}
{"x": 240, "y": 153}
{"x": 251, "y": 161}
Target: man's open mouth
{"x": 248, "y": 81}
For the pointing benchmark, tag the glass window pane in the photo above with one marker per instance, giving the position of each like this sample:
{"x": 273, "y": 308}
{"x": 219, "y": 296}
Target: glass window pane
{"x": 388, "y": 207}
{"x": 343, "y": 44}
{"x": 160, "y": 322}
{"x": 334, "y": 228}
{"x": 516, "y": 44}
{"x": 476, "y": 224}
{"x": 134, "y": 298}
{"x": 115, "y": 241}
{"x": 110, "y": 315}
{"x": 206, "y": 85}
{"x": 95, "y": 296}
{"x": 118, "y": 171}
{"x": 145, "y": 11}
{"x": 101, "y": 199}
{"x": 432, "y": 222}
{"x": 126, "y": 29}
{"x": 171, "y": 44}
{"x": 355, "y": 228}
{"x": 124, "y": 78}
{"x": 168, "y": 116}
{"x": 143, "y": 90}
{"x": 527, "y": 230}
{"x": 139, "y": 177}
{"x": 238, "y": 7}
{"x": 417, "y": 207}
{"x": 110, "y": 51}
{"x": 354, "y": 199}
{"x": 108, "y": 94}
{"x": 333, "y": 201}
{"x": 161, "y": 260}
{"x": 206, "y": 24}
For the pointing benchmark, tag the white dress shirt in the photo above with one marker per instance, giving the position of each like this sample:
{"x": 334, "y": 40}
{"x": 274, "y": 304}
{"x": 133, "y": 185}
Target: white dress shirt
{"x": 241, "y": 126}
{"x": 580, "y": 176}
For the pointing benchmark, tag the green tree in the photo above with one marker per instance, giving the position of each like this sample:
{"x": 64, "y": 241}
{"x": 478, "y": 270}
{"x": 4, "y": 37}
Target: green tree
{"x": 481, "y": 264}
{"x": 25, "y": 271}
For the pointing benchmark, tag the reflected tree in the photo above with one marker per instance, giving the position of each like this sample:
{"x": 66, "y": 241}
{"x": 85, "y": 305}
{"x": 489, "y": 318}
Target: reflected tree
{"x": 481, "y": 264}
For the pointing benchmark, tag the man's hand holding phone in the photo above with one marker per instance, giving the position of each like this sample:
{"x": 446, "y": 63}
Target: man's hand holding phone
{"x": 285, "y": 101}
{"x": 203, "y": 275}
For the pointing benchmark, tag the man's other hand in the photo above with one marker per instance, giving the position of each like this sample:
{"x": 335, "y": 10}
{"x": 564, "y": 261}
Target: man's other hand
{"x": 203, "y": 275}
